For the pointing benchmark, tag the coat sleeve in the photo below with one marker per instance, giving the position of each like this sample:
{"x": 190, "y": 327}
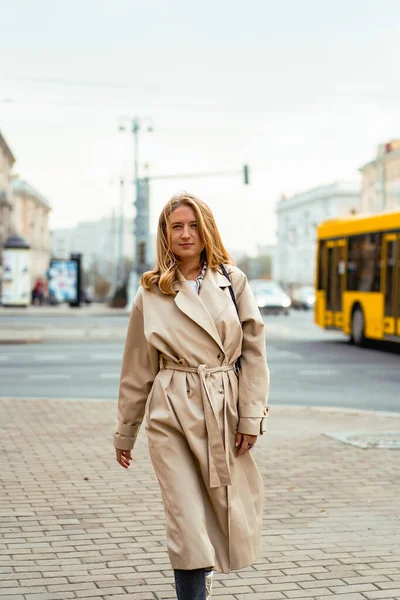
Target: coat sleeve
{"x": 139, "y": 369}
{"x": 254, "y": 372}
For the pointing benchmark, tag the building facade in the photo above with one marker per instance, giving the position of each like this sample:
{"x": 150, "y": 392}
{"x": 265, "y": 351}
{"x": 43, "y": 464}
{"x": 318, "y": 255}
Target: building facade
{"x": 7, "y": 161}
{"x": 31, "y": 221}
{"x": 297, "y": 220}
{"x": 380, "y": 188}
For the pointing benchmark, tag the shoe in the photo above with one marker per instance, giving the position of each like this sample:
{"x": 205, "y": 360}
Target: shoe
{"x": 209, "y": 582}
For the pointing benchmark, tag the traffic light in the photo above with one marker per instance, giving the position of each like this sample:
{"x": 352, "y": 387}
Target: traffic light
{"x": 246, "y": 174}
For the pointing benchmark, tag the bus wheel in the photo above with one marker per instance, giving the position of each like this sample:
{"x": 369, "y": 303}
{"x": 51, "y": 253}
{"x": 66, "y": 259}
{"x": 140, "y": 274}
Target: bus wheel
{"x": 358, "y": 327}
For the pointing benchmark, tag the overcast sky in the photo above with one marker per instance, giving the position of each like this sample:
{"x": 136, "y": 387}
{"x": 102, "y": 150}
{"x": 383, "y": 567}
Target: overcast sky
{"x": 301, "y": 90}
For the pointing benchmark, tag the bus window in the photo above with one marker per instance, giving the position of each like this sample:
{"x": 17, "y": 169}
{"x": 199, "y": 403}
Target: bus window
{"x": 364, "y": 263}
{"x": 340, "y": 270}
{"x": 330, "y": 289}
{"x": 390, "y": 268}
{"x": 321, "y": 252}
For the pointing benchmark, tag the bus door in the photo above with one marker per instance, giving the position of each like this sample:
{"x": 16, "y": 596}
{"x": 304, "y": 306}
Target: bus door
{"x": 391, "y": 283}
{"x": 335, "y": 283}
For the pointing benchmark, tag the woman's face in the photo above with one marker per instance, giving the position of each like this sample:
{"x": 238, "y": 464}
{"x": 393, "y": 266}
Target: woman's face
{"x": 185, "y": 239}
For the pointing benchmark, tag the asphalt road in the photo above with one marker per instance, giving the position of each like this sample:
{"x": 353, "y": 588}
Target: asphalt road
{"x": 308, "y": 367}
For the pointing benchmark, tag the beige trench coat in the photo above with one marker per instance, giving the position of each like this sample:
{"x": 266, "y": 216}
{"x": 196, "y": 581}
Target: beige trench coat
{"x": 177, "y": 371}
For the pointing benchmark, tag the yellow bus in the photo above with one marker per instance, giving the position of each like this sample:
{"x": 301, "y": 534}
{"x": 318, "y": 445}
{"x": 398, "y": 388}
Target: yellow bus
{"x": 358, "y": 276}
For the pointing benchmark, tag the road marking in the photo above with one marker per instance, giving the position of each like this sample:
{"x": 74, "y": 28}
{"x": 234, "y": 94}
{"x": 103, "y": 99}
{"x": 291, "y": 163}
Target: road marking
{"x": 40, "y": 357}
{"x": 109, "y": 375}
{"x": 318, "y": 372}
{"x": 106, "y": 356}
{"x": 273, "y": 350}
{"x": 49, "y": 376}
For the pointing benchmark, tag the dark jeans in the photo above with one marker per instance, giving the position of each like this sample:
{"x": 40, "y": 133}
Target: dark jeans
{"x": 190, "y": 585}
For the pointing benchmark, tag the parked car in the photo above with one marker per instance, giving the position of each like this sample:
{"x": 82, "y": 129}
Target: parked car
{"x": 270, "y": 297}
{"x": 303, "y": 297}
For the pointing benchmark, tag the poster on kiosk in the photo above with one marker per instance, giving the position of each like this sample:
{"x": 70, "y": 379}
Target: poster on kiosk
{"x": 63, "y": 281}
{"x": 16, "y": 276}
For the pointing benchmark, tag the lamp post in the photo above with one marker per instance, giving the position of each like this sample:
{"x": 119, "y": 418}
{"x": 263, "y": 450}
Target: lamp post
{"x": 121, "y": 260}
{"x": 141, "y": 231}
{"x": 136, "y": 125}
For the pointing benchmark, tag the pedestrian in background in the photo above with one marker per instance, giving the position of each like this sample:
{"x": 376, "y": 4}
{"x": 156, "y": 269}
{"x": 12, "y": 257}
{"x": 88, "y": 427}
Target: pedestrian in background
{"x": 193, "y": 319}
{"x": 39, "y": 292}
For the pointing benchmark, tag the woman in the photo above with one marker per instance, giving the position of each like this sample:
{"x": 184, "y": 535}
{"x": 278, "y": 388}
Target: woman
{"x": 203, "y": 414}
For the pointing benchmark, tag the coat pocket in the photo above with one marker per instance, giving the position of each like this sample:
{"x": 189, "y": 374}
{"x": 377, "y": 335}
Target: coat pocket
{"x": 148, "y": 402}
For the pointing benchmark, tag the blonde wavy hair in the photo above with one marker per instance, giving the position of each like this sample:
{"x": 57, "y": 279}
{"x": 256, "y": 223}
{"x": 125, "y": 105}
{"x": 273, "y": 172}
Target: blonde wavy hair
{"x": 165, "y": 272}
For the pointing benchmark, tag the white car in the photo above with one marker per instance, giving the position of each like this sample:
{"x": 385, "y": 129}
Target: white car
{"x": 270, "y": 297}
{"x": 304, "y": 297}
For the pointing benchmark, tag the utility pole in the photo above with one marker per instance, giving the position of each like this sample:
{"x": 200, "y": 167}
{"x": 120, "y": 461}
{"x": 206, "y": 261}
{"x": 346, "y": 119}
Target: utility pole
{"x": 142, "y": 226}
{"x": 141, "y": 231}
{"x": 121, "y": 261}
{"x": 135, "y": 133}
{"x": 114, "y": 246}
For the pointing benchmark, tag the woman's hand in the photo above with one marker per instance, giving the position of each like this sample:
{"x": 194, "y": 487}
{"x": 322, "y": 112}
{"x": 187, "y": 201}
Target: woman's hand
{"x": 245, "y": 442}
{"x": 124, "y": 457}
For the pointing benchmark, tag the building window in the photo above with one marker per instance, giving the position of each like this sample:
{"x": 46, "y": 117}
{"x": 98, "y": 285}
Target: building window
{"x": 293, "y": 235}
{"x": 287, "y": 229}
{"x": 364, "y": 263}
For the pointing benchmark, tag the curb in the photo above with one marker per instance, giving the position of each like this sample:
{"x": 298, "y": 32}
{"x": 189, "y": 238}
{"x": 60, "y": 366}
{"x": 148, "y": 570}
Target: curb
{"x": 63, "y": 312}
{"x": 74, "y": 335}
{"x": 50, "y": 399}
{"x": 274, "y": 408}
{"x": 16, "y": 341}
{"x": 334, "y": 409}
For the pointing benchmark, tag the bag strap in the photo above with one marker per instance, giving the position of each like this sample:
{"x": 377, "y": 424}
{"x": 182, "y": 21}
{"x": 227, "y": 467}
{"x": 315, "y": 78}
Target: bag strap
{"x": 232, "y": 293}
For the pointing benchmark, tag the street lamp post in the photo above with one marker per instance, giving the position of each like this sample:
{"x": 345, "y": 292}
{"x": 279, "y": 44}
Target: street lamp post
{"x": 121, "y": 258}
{"x": 135, "y": 133}
{"x": 141, "y": 230}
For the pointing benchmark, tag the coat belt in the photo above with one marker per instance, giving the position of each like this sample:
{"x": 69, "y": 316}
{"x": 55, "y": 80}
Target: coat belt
{"x": 218, "y": 449}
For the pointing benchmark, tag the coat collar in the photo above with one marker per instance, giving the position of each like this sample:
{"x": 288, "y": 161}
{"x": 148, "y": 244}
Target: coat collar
{"x": 204, "y": 308}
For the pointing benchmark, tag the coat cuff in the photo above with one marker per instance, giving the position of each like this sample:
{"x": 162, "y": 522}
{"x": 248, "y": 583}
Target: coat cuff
{"x": 253, "y": 419}
{"x": 125, "y": 436}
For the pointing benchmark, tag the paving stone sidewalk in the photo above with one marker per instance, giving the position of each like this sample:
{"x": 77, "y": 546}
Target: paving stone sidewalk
{"x": 74, "y": 524}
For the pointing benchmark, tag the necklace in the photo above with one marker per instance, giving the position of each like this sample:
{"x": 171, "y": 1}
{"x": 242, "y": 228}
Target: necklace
{"x": 192, "y": 277}
{"x": 197, "y": 272}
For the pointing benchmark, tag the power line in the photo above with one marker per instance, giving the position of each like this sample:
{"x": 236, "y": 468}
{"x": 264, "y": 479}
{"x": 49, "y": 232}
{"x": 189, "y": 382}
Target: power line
{"x": 63, "y": 104}
{"x": 176, "y": 131}
{"x": 70, "y": 82}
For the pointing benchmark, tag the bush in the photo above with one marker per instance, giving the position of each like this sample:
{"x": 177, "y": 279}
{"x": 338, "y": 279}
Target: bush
{"x": 120, "y": 297}
{"x": 121, "y": 293}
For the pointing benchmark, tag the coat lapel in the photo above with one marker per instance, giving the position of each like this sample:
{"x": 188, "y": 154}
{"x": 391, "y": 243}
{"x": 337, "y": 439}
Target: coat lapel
{"x": 205, "y": 308}
{"x": 212, "y": 293}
